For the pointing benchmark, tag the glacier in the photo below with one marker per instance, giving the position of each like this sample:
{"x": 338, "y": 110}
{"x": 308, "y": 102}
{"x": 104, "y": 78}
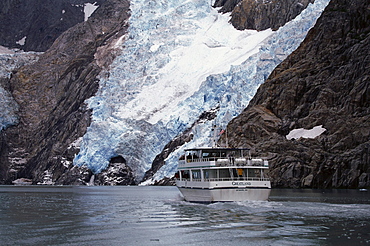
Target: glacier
{"x": 177, "y": 60}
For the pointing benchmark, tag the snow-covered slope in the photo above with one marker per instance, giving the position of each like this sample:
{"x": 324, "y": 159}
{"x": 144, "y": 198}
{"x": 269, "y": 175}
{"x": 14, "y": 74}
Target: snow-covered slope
{"x": 179, "y": 59}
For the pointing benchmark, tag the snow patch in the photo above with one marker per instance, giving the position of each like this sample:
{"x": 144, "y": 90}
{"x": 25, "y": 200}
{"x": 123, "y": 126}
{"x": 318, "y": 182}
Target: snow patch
{"x": 209, "y": 52}
{"x": 89, "y": 9}
{"x": 76, "y": 143}
{"x": 5, "y": 51}
{"x": 303, "y": 133}
{"x": 119, "y": 42}
{"x": 21, "y": 41}
{"x": 65, "y": 162}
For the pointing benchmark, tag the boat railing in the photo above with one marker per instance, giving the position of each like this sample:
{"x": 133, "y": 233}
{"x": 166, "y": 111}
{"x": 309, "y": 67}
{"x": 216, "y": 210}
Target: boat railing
{"x": 202, "y": 159}
{"x": 230, "y": 161}
{"x": 226, "y": 179}
{"x": 236, "y": 179}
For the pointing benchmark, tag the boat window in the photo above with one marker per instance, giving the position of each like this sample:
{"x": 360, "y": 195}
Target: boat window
{"x": 196, "y": 175}
{"x": 213, "y": 153}
{"x": 210, "y": 174}
{"x": 254, "y": 173}
{"x": 185, "y": 175}
{"x": 206, "y": 155}
{"x": 224, "y": 173}
{"x": 191, "y": 156}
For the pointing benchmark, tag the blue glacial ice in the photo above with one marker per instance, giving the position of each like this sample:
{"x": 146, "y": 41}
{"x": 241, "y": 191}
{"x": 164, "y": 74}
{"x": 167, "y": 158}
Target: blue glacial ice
{"x": 179, "y": 59}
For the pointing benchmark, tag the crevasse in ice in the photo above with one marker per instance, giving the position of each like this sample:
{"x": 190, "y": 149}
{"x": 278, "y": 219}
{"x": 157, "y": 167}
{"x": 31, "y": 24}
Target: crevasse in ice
{"x": 179, "y": 59}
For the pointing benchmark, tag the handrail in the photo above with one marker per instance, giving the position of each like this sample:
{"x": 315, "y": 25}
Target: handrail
{"x": 236, "y": 179}
{"x": 221, "y": 161}
{"x": 226, "y": 179}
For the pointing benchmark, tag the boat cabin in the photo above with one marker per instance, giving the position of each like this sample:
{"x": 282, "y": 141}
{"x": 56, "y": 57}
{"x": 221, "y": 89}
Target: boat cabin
{"x": 220, "y": 164}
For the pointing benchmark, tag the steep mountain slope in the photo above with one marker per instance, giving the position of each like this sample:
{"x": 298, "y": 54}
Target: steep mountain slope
{"x": 51, "y": 95}
{"x": 325, "y": 82}
{"x": 261, "y": 14}
{"x": 33, "y": 25}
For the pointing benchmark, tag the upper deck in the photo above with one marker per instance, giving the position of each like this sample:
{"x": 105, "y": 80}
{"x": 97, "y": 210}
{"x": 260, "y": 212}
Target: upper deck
{"x": 219, "y": 157}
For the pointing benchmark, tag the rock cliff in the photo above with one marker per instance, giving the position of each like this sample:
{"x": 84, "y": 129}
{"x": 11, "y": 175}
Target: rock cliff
{"x": 51, "y": 93}
{"x": 35, "y": 24}
{"x": 261, "y": 14}
{"x": 326, "y": 81}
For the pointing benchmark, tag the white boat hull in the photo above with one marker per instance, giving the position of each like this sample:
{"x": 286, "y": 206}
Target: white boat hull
{"x": 222, "y": 175}
{"x": 225, "y": 194}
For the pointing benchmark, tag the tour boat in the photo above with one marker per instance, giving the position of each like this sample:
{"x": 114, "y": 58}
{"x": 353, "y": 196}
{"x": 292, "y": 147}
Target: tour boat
{"x": 216, "y": 174}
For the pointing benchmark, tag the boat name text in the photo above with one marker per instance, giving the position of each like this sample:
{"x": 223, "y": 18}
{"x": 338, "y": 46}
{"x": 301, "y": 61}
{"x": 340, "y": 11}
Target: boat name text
{"x": 241, "y": 183}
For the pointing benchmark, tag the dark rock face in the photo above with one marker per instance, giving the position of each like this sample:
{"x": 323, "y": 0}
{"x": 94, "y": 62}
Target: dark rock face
{"x": 226, "y": 5}
{"x": 166, "y": 182}
{"x": 261, "y": 14}
{"x": 117, "y": 173}
{"x": 51, "y": 94}
{"x": 326, "y": 81}
{"x": 40, "y": 21}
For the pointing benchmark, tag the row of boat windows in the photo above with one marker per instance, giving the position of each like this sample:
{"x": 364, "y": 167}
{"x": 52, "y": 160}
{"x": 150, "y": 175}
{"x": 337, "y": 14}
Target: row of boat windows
{"x": 204, "y": 154}
{"x": 221, "y": 174}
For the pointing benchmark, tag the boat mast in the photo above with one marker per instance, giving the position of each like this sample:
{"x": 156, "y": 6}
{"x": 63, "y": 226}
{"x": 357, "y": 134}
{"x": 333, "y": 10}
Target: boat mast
{"x": 214, "y": 141}
{"x": 216, "y": 132}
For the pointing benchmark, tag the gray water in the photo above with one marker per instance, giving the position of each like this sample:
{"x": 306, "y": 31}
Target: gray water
{"x": 136, "y": 215}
